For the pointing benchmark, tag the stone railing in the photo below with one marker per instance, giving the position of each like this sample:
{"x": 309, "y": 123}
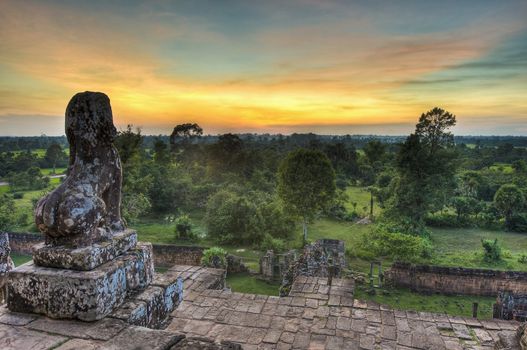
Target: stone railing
{"x": 455, "y": 280}
{"x": 22, "y": 243}
{"x": 166, "y": 255}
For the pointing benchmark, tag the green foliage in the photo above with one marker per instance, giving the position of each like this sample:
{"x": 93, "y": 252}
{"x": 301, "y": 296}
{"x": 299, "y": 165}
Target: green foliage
{"x": 374, "y": 151}
{"x": 184, "y": 228}
{"x": 55, "y": 156}
{"x": 214, "y": 257}
{"x": 232, "y": 218}
{"x": 426, "y": 166}
{"x": 7, "y": 212}
{"x": 395, "y": 245}
{"x": 306, "y": 183}
{"x": 491, "y": 250}
{"x": 31, "y": 179}
{"x": 134, "y": 205}
{"x": 269, "y": 243}
{"x": 509, "y": 200}
{"x": 522, "y": 259}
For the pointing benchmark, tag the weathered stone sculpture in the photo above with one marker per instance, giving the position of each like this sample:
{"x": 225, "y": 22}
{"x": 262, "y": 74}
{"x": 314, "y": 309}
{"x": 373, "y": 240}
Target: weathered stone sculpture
{"x": 6, "y": 264}
{"x": 85, "y": 208}
{"x": 89, "y": 263}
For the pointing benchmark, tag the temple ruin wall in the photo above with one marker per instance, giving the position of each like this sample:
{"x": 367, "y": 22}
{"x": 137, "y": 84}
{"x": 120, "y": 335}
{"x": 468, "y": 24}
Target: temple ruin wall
{"x": 455, "y": 280}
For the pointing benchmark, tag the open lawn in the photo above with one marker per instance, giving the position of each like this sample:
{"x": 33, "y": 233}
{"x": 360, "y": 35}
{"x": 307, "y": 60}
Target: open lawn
{"x": 403, "y": 299}
{"x": 462, "y": 247}
{"x": 245, "y": 283}
{"x": 20, "y": 259}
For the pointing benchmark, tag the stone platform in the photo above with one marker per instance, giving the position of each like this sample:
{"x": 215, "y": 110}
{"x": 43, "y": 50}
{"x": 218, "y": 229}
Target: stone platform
{"x": 318, "y": 316}
{"x": 86, "y": 258}
{"x": 85, "y": 295}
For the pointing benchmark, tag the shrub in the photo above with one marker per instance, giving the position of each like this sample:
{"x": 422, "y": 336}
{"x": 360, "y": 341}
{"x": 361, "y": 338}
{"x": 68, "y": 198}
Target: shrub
{"x": 18, "y": 195}
{"x": 214, "y": 257}
{"x": 518, "y": 223}
{"x": 522, "y": 259}
{"x": 448, "y": 220}
{"x": 232, "y": 218}
{"x": 396, "y": 245}
{"x": 269, "y": 243}
{"x": 184, "y": 228}
{"x": 491, "y": 250}
{"x": 134, "y": 205}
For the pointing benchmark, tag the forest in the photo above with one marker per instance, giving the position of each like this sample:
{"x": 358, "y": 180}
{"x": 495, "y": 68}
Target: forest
{"x": 429, "y": 197}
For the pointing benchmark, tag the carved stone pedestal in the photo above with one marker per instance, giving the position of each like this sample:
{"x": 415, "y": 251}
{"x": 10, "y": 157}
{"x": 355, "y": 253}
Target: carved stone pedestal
{"x": 86, "y": 258}
{"x": 85, "y": 295}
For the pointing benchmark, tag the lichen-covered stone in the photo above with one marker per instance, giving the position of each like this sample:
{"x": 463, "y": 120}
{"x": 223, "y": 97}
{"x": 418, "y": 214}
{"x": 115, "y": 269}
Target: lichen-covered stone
{"x": 84, "y": 258}
{"x": 85, "y": 208}
{"x": 152, "y": 307}
{"x": 6, "y": 264}
{"x": 84, "y": 295}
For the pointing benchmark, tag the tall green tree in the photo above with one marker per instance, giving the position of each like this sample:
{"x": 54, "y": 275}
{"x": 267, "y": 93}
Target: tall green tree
{"x": 509, "y": 200}
{"x": 426, "y": 165}
{"x": 54, "y": 154}
{"x": 306, "y": 183}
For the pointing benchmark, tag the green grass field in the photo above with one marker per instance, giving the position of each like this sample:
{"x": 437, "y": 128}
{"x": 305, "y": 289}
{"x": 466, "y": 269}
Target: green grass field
{"x": 403, "y": 299}
{"x": 245, "y": 283}
{"x": 20, "y": 259}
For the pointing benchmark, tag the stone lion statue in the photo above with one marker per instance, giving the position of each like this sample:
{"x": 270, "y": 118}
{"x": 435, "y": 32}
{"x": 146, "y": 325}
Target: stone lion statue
{"x": 85, "y": 208}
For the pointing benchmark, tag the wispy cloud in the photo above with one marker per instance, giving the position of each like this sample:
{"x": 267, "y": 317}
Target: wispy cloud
{"x": 263, "y": 65}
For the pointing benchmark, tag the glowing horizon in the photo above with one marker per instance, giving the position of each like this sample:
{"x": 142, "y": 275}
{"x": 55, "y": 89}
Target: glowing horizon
{"x": 327, "y": 67}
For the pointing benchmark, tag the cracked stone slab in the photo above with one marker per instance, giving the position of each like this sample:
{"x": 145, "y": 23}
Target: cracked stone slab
{"x": 85, "y": 258}
{"x": 16, "y": 338}
{"x": 17, "y": 319}
{"x": 101, "y": 330}
{"x": 84, "y": 295}
{"x": 140, "y": 338}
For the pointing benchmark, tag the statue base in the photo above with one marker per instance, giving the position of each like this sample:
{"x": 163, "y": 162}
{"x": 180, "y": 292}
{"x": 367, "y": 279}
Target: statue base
{"x": 84, "y": 295}
{"x": 85, "y": 258}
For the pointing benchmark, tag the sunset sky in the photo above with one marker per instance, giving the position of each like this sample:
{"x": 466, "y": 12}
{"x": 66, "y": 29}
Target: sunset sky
{"x": 329, "y": 67}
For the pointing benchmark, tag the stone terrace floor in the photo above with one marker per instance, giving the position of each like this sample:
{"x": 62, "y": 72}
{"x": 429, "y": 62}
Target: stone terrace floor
{"x": 317, "y": 316}
{"x": 314, "y": 316}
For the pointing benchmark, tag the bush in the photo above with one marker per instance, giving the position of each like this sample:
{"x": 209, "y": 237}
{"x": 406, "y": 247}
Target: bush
{"x": 232, "y": 218}
{"x": 214, "y": 257}
{"x": 491, "y": 250}
{"x": 395, "y": 245}
{"x": 448, "y": 220}
{"x": 518, "y": 223}
{"x": 269, "y": 243}
{"x": 184, "y": 228}
{"x": 18, "y": 195}
{"x": 522, "y": 259}
{"x": 134, "y": 205}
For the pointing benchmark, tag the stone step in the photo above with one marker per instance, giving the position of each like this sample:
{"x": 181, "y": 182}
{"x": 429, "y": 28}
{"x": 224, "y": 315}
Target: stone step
{"x": 152, "y": 306}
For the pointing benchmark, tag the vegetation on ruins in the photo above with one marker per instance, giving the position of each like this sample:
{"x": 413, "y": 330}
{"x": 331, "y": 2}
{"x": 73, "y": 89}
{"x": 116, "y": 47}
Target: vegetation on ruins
{"x": 214, "y": 257}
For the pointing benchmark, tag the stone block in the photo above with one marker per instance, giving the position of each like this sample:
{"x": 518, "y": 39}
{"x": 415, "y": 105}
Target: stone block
{"x": 152, "y": 307}
{"x": 85, "y": 258}
{"x": 85, "y": 295}
{"x": 135, "y": 337}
